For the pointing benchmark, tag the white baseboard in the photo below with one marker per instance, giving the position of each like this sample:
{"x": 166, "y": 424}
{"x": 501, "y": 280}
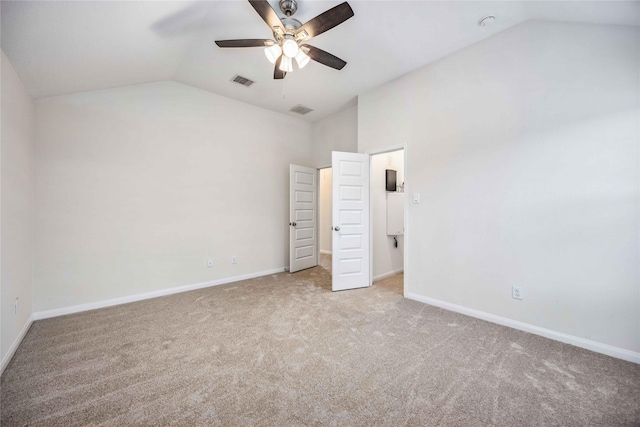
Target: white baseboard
{"x": 7, "y": 358}
{"x": 609, "y": 350}
{"x": 147, "y": 295}
{"x": 322, "y": 251}
{"x": 388, "y": 274}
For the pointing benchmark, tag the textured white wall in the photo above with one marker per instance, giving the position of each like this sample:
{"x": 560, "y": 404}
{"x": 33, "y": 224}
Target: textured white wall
{"x": 17, "y": 193}
{"x": 387, "y": 259}
{"x": 525, "y": 150}
{"x": 137, "y": 186}
{"x": 326, "y": 209}
{"x": 337, "y": 132}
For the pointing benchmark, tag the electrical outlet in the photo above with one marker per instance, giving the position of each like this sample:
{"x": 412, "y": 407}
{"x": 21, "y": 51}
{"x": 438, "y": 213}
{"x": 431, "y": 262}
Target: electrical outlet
{"x": 17, "y": 305}
{"x": 210, "y": 263}
{"x": 234, "y": 260}
{"x": 516, "y": 292}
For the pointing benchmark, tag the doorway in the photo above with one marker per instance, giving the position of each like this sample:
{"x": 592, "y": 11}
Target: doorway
{"x": 325, "y": 207}
{"x": 387, "y": 174}
{"x": 387, "y": 219}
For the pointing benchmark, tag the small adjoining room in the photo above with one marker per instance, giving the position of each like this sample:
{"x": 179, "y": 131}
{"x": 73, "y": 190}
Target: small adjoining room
{"x": 306, "y": 213}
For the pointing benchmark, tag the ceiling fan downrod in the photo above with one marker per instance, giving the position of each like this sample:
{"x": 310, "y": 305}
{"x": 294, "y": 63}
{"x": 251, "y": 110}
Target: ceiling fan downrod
{"x": 288, "y": 7}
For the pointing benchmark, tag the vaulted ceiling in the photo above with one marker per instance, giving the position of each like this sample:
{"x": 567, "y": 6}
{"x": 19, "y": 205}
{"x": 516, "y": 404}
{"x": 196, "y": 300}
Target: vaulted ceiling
{"x": 63, "y": 47}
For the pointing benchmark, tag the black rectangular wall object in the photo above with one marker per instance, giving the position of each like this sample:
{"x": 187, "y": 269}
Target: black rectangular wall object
{"x": 391, "y": 180}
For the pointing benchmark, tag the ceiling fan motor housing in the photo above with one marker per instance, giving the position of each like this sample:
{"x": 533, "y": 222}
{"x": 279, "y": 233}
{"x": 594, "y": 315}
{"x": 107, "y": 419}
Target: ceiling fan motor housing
{"x": 288, "y": 7}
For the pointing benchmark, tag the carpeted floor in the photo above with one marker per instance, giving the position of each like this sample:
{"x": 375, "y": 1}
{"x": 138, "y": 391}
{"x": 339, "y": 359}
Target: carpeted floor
{"x": 285, "y": 350}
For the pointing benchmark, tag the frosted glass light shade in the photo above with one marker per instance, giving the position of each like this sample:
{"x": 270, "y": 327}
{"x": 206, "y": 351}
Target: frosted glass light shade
{"x": 272, "y": 53}
{"x": 286, "y": 64}
{"x": 290, "y": 48}
{"x": 302, "y": 59}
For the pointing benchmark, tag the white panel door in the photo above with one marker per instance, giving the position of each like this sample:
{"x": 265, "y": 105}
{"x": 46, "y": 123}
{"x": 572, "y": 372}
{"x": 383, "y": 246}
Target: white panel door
{"x": 350, "y": 249}
{"x": 303, "y": 212}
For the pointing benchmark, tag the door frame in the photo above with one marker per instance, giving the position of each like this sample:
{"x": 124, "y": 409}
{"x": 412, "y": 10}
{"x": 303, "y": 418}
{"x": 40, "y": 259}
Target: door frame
{"x": 407, "y": 187}
{"x": 318, "y": 205}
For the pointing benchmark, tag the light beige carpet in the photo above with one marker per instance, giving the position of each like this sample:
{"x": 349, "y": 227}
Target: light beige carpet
{"x": 284, "y": 350}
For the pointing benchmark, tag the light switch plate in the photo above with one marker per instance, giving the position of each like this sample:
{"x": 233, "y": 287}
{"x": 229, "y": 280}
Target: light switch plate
{"x": 416, "y": 197}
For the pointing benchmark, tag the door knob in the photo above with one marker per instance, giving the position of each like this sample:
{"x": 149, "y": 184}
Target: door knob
{"x": 292, "y": 223}
{"x": 336, "y": 228}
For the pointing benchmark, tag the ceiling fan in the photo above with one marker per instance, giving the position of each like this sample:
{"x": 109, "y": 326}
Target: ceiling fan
{"x": 289, "y": 33}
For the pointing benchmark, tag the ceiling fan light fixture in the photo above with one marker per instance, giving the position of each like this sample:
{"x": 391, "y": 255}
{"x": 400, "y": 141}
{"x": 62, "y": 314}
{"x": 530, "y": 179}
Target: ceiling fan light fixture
{"x": 273, "y": 53}
{"x": 286, "y": 64}
{"x": 290, "y": 47}
{"x": 302, "y": 59}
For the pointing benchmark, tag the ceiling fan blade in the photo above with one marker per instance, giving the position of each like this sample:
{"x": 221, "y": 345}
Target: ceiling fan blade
{"x": 323, "y": 57}
{"x": 245, "y": 43}
{"x": 277, "y": 72}
{"x": 267, "y": 13}
{"x": 325, "y": 21}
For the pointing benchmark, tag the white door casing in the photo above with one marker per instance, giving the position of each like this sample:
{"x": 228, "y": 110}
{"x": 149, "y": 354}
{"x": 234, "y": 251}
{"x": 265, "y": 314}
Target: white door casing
{"x": 350, "y": 247}
{"x": 303, "y": 214}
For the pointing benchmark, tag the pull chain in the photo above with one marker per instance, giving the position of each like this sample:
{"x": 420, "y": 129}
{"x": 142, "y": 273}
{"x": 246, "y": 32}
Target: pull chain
{"x": 284, "y": 94}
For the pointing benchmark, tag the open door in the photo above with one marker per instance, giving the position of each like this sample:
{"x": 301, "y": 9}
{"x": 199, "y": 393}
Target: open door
{"x": 350, "y": 247}
{"x": 303, "y": 212}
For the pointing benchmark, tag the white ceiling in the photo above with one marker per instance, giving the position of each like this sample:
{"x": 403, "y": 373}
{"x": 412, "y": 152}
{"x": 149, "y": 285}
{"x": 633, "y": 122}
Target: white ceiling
{"x": 62, "y": 47}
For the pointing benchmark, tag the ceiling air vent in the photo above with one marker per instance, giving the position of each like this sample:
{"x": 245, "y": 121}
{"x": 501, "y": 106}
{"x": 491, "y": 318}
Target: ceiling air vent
{"x": 301, "y": 109}
{"x": 242, "y": 80}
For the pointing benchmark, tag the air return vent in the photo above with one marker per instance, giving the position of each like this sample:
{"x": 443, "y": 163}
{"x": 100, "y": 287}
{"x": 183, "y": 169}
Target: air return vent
{"x": 242, "y": 80}
{"x": 301, "y": 109}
